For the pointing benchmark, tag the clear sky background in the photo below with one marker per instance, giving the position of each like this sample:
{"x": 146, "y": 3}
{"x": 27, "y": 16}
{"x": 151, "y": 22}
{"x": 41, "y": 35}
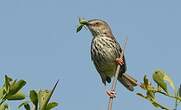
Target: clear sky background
{"x": 38, "y": 43}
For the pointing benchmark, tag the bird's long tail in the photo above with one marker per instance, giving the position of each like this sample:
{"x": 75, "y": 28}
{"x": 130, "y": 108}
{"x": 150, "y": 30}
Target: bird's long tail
{"x": 128, "y": 81}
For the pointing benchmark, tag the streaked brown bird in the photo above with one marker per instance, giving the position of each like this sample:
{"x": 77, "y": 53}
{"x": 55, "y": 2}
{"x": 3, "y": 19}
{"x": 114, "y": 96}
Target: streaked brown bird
{"x": 105, "y": 53}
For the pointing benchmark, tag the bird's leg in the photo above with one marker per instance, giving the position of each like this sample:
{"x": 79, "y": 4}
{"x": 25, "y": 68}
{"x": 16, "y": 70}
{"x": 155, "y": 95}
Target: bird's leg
{"x": 119, "y": 61}
{"x": 111, "y": 93}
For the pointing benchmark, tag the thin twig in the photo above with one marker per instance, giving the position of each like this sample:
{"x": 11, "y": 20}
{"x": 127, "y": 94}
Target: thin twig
{"x": 116, "y": 76}
{"x": 168, "y": 95}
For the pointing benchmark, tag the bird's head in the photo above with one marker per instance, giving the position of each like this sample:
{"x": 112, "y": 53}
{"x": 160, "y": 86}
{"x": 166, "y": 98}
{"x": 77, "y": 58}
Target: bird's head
{"x": 96, "y": 27}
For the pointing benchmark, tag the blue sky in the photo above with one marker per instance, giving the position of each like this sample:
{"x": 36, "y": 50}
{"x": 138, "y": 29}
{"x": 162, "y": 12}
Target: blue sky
{"x": 38, "y": 43}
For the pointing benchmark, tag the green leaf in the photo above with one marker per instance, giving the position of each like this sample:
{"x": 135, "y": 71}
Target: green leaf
{"x": 83, "y": 21}
{"x": 44, "y": 97}
{"x": 7, "y": 83}
{"x": 14, "y": 82}
{"x": 18, "y": 96}
{"x": 51, "y": 105}
{"x": 22, "y": 104}
{"x": 34, "y": 98}
{"x": 3, "y": 107}
{"x": 16, "y": 87}
{"x": 169, "y": 80}
{"x": 27, "y": 107}
{"x": 180, "y": 91}
{"x": 1, "y": 93}
{"x": 25, "y": 104}
{"x": 158, "y": 77}
{"x": 146, "y": 82}
{"x": 7, "y": 78}
{"x": 146, "y": 85}
{"x": 79, "y": 28}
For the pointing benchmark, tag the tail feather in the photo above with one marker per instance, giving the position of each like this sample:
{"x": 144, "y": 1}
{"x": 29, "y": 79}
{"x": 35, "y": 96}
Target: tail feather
{"x": 128, "y": 81}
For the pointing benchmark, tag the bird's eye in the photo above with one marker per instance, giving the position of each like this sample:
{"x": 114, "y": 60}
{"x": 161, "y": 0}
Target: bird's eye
{"x": 97, "y": 24}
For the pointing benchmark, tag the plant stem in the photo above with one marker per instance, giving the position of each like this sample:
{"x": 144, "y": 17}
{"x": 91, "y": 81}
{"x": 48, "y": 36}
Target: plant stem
{"x": 171, "y": 96}
{"x": 116, "y": 76}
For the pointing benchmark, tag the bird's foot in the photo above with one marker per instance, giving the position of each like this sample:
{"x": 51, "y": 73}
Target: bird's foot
{"x": 119, "y": 61}
{"x": 111, "y": 93}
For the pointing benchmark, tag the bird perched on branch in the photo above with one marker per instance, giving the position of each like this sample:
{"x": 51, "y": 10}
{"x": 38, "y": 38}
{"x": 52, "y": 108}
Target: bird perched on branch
{"x": 105, "y": 53}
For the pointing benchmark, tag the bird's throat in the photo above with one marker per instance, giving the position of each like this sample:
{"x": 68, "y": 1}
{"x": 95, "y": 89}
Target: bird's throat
{"x": 97, "y": 34}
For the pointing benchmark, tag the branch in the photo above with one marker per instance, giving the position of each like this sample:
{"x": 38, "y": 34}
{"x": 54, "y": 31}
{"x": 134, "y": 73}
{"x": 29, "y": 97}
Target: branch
{"x": 171, "y": 96}
{"x": 116, "y": 76}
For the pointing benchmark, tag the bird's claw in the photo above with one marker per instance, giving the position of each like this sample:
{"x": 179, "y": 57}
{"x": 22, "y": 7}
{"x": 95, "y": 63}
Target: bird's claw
{"x": 119, "y": 61}
{"x": 111, "y": 93}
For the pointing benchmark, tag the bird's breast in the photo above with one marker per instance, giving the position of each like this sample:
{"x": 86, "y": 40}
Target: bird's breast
{"x": 103, "y": 53}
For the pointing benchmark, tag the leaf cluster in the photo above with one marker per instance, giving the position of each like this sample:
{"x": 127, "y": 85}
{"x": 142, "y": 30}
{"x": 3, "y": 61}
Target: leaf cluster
{"x": 38, "y": 100}
{"x": 162, "y": 81}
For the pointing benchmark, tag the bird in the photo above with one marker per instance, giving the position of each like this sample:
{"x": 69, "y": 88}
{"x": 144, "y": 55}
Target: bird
{"x": 105, "y": 53}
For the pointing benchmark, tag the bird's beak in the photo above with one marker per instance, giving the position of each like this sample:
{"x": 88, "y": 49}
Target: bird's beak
{"x": 82, "y": 23}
